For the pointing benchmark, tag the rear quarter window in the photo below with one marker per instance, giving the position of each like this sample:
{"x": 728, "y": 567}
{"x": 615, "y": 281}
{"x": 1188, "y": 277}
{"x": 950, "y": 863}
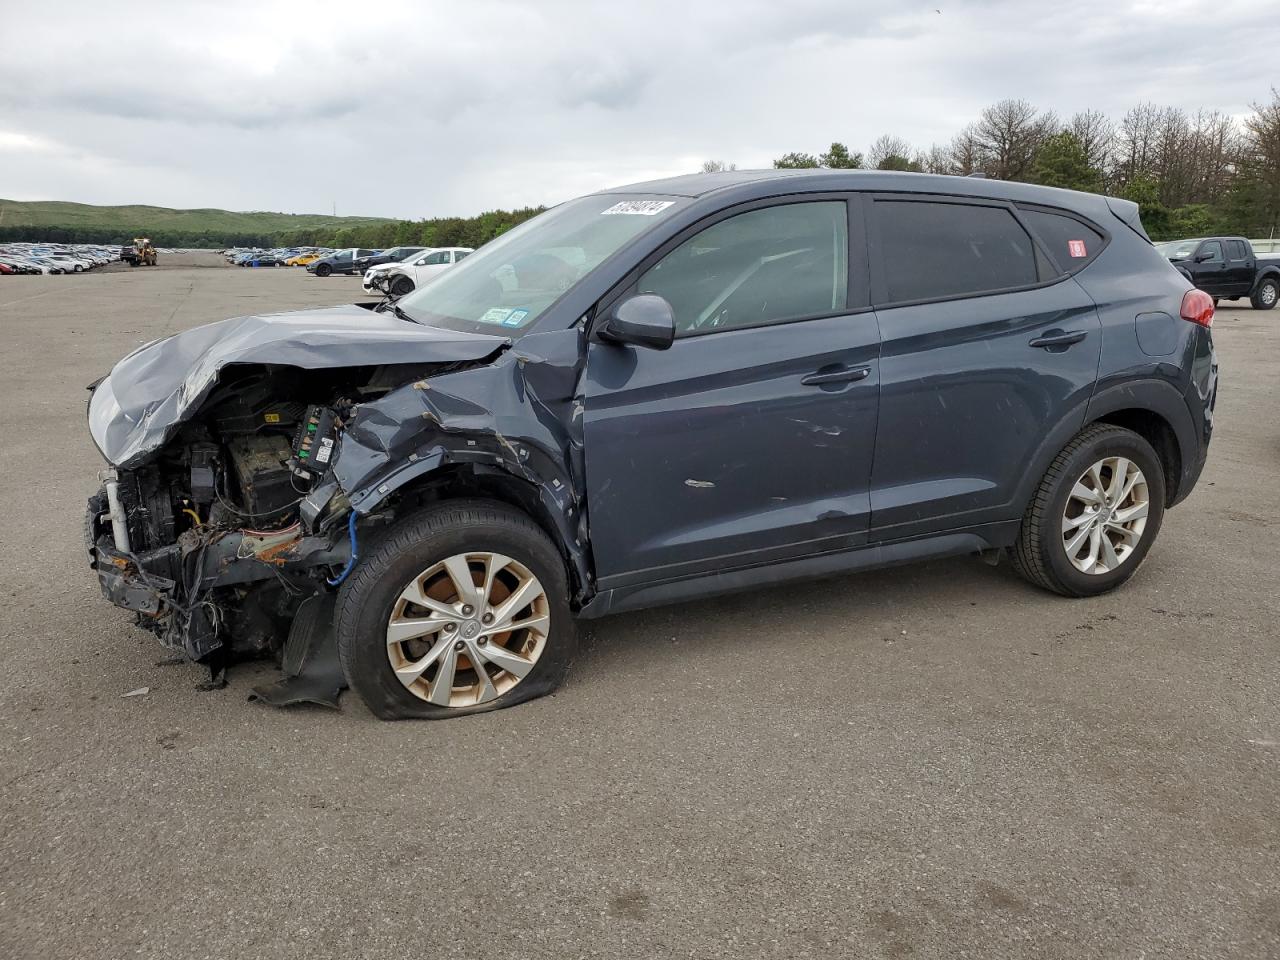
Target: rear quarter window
{"x": 1072, "y": 243}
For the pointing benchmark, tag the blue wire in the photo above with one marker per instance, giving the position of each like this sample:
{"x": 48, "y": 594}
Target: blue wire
{"x": 351, "y": 529}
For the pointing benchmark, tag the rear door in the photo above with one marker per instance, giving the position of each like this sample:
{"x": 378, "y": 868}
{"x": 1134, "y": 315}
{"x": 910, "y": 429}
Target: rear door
{"x": 986, "y": 348}
{"x": 750, "y": 439}
{"x": 1241, "y": 267}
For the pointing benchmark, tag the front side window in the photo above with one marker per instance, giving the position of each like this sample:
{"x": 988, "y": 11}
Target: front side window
{"x": 1212, "y": 250}
{"x": 435, "y": 259}
{"x": 933, "y": 250}
{"x": 509, "y": 282}
{"x": 769, "y": 265}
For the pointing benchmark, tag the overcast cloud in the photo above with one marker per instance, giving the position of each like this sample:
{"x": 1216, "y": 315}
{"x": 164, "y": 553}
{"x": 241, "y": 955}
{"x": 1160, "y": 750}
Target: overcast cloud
{"x": 432, "y": 108}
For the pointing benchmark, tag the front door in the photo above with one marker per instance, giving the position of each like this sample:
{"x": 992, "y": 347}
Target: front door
{"x": 982, "y": 358}
{"x": 1210, "y": 269}
{"x": 750, "y": 439}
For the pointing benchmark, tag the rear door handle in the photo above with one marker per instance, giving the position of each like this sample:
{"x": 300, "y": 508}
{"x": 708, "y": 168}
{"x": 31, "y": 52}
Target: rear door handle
{"x": 848, "y": 374}
{"x": 1059, "y": 338}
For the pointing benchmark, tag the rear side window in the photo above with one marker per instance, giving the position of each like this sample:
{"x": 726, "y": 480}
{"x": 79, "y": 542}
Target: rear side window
{"x": 1072, "y": 243}
{"x": 1236, "y": 250}
{"x": 935, "y": 250}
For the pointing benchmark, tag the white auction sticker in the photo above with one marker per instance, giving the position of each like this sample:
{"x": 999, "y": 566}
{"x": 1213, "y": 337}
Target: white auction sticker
{"x": 644, "y": 208}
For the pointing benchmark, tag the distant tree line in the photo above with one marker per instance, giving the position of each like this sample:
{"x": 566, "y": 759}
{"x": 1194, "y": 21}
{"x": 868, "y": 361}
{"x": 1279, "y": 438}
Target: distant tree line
{"x": 438, "y": 232}
{"x": 1193, "y": 174}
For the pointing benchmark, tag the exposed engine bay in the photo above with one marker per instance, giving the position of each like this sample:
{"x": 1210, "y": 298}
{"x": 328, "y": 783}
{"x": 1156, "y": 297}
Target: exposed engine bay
{"x": 244, "y": 455}
{"x": 228, "y": 487}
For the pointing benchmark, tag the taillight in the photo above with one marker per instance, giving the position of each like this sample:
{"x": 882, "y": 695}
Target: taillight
{"x": 1197, "y": 306}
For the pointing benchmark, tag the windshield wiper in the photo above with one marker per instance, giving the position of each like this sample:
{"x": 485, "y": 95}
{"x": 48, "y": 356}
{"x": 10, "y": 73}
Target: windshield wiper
{"x": 395, "y": 308}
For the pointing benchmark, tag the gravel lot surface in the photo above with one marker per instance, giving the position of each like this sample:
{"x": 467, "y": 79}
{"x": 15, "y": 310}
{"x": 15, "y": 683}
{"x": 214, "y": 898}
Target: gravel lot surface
{"x": 932, "y": 761}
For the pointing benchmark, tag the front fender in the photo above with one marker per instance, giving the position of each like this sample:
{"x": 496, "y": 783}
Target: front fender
{"x": 517, "y": 415}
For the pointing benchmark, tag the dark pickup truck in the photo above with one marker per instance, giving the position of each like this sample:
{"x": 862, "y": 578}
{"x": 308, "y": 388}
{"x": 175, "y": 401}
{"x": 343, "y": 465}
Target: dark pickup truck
{"x": 1227, "y": 268}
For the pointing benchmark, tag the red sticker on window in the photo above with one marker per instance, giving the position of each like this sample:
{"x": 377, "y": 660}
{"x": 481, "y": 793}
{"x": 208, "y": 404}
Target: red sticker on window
{"x": 1076, "y": 248}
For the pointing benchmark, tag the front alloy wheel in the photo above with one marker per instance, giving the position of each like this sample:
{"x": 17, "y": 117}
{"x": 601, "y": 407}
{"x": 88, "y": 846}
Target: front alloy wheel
{"x": 459, "y": 608}
{"x": 1105, "y": 515}
{"x": 468, "y": 629}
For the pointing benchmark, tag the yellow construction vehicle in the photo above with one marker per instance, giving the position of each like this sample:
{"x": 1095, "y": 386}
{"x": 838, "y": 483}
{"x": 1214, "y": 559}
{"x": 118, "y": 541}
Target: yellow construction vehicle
{"x": 140, "y": 252}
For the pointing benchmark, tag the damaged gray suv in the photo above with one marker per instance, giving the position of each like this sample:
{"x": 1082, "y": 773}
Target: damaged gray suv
{"x": 661, "y": 392}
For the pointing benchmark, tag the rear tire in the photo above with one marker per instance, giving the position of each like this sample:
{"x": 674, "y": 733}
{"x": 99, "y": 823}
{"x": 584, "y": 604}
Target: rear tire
{"x": 1040, "y": 553}
{"x": 374, "y": 596}
{"x": 1266, "y": 294}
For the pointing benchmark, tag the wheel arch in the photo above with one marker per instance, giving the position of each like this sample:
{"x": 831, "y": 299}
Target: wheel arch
{"x": 439, "y": 482}
{"x": 1271, "y": 272}
{"x": 1155, "y": 411}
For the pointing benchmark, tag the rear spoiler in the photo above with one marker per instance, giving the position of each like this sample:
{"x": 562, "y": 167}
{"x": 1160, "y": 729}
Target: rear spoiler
{"x": 1127, "y": 212}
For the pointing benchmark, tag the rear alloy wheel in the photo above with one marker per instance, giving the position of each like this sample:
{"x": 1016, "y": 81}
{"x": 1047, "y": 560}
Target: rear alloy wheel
{"x": 1105, "y": 515}
{"x": 1266, "y": 295}
{"x": 1095, "y": 514}
{"x": 458, "y": 609}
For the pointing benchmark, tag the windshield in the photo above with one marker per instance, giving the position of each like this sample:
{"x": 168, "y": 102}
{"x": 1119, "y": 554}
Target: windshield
{"x": 510, "y": 281}
{"x": 1178, "y": 249}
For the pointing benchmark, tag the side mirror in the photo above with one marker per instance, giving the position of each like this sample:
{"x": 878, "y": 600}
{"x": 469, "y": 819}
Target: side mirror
{"x": 1202, "y": 257}
{"x": 645, "y": 320}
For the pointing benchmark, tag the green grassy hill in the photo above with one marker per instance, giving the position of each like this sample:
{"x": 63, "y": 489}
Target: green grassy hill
{"x": 71, "y": 222}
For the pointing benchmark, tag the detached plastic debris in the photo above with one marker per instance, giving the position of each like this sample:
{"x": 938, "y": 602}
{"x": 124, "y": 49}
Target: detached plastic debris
{"x": 140, "y": 692}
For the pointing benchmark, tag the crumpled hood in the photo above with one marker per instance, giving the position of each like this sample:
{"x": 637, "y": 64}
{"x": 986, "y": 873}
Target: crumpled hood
{"x": 135, "y": 409}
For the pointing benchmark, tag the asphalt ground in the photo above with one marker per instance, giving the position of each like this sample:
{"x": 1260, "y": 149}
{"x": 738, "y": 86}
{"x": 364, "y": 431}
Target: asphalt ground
{"x": 930, "y": 761}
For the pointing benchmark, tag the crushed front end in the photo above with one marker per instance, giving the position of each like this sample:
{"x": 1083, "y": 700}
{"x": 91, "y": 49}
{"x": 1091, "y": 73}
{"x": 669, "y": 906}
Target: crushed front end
{"x": 205, "y": 541}
{"x": 219, "y": 519}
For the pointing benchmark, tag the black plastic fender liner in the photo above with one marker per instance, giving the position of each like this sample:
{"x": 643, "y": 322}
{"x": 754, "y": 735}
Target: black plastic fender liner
{"x": 312, "y": 670}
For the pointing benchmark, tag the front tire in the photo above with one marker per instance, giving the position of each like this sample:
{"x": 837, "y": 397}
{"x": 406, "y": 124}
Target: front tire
{"x": 1266, "y": 294}
{"x": 401, "y": 286}
{"x": 418, "y": 641}
{"x": 1095, "y": 514}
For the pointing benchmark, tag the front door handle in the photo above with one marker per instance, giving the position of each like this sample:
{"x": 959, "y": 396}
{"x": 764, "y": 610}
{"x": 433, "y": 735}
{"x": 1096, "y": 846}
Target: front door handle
{"x": 845, "y": 375}
{"x": 1059, "y": 338}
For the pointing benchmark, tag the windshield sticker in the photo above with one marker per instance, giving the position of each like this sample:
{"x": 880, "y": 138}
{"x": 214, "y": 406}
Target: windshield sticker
{"x": 644, "y": 208}
{"x": 496, "y": 315}
{"x": 515, "y": 318}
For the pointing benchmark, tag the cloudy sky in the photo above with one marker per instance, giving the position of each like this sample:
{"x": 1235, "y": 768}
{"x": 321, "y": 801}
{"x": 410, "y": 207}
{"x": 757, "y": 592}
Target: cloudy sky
{"x": 434, "y": 108}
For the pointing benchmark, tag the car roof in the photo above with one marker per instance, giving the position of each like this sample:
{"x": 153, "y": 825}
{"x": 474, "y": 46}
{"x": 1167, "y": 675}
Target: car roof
{"x": 753, "y": 183}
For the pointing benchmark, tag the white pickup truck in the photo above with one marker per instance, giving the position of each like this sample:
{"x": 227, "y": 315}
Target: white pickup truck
{"x": 397, "y": 279}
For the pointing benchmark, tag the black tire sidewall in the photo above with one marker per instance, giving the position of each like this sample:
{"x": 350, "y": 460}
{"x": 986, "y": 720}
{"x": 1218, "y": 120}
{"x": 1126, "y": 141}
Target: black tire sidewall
{"x": 1121, "y": 443}
{"x": 323, "y": 270}
{"x": 402, "y": 286}
{"x": 366, "y": 600}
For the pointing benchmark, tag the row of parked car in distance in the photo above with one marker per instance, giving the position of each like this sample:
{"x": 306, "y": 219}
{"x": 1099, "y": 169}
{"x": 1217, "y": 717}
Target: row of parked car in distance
{"x": 53, "y": 258}
{"x": 394, "y": 271}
